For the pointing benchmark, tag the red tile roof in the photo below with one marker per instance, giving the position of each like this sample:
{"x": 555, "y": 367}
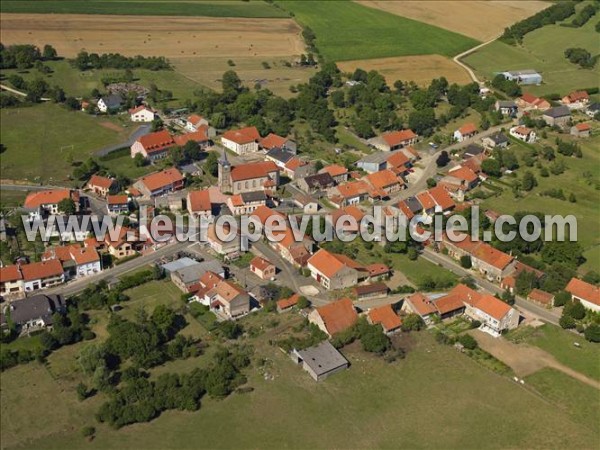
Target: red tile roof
{"x": 50, "y": 197}
{"x": 159, "y": 180}
{"x": 294, "y": 163}
{"x": 272, "y": 140}
{"x": 40, "y": 270}
{"x": 288, "y": 302}
{"x": 405, "y": 210}
{"x": 102, "y": 182}
{"x": 385, "y": 316}
{"x": 253, "y": 170}
{"x": 243, "y": 135}
{"x": 199, "y": 201}
{"x": 377, "y": 269}
{"x": 578, "y": 96}
{"x": 195, "y": 119}
{"x": 353, "y": 189}
{"x": 529, "y": 98}
{"x": 421, "y": 304}
{"x": 335, "y": 170}
{"x": 260, "y": 263}
{"x": 539, "y": 296}
{"x": 493, "y": 306}
{"x": 117, "y": 199}
{"x": 583, "y": 290}
{"x": 352, "y": 211}
{"x": 442, "y": 198}
{"x": 330, "y": 263}
{"x": 583, "y": 126}
{"x": 467, "y": 128}
{"x": 426, "y": 200}
{"x": 383, "y": 179}
{"x": 395, "y": 138}
{"x": 157, "y": 141}
{"x": 196, "y": 136}
{"x": 464, "y": 174}
{"x": 84, "y": 255}
{"x": 483, "y": 251}
{"x": 137, "y": 109}
{"x": 398, "y": 159}
{"x": 338, "y": 315}
{"x": 10, "y": 273}
{"x": 523, "y": 131}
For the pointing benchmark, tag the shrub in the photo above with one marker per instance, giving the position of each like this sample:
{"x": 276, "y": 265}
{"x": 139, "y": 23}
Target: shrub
{"x": 592, "y": 333}
{"x": 468, "y": 341}
{"x": 412, "y": 322}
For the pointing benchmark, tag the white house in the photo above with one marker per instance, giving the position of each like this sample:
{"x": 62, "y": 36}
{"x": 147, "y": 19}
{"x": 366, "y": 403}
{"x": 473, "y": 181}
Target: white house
{"x": 41, "y": 275}
{"x": 194, "y": 122}
{"x": 110, "y": 103}
{"x": 586, "y": 293}
{"x": 524, "y": 134}
{"x": 141, "y": 114}
{"x": 242, "y": 141}
{"x": 467, "y": 131}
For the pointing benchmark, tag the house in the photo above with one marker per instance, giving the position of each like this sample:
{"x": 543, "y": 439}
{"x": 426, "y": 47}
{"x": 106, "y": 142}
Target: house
{"x": 377, "y": 161}
{"x": 177, "y": 264}
{"x": 153, "y": 146}
{"x": 11, "y": 282}
{"x": 297, "y": 168}
{"x": 194, "y": 122}
{"x": 272, "y": 141}
{"x": 367, "y": 291}
{"x": 467, "y": 131}
{"x": 452, "y": 304}
{"x": 581, "y": 130}
{"x": 496, "y": 140}
{"x": 246, "y": 202}
{"x": 490, "y": 262}
{"x": 125, "y": 243}
{"x": 67, "y": 228}
{"x": 190, "y": 275}
{"x": 308, "y": 204}
{"x": 586, "y": 293}
{"x": 316, "y": 183}
{"x": 160, "y": 183}
{"x": 386, "y": 317}
{"x": 334, "y": 271}
{"x": 279, "y": 156}
{"x": 42, "y": 275}
{"x": 257, "y": 176}
{"x": 320, "y": 361}
{"x": 576, "y": 99}
{"x": 394, "y": 140}
{"x": 528, "y": 76}
{"x": 117, "y": 204}
{"x": 47, "y": 201}
{"x": 262, "y": 268}
{"x": 385, "y": 180}
{"x": 506, "y": 107}
{"x": 76, "y": 261}
{"x": 337, "y": 172}
{"x": 419, "y": 304}
{"x": 593, "y": 109}
{"x": 472, "y": 150}
{"x": 226, "y": 248}
{"x": 541, "y": 297}
{"x": 110, "y": 103}
{"x": 558, "y": 116}
{"x": 141, "y": 113}
{"x": 32, "y": 313}
{"x": 229, "y": 300}
{"x": 347, "y": 212}
{"x": 202, "y": 137}
{"x": 205, "y": 284}
{"x": 530, "y": 101}
{"x": 334, "y": 317}
{"x": 101, "y": 186}
{"x": 463, "y": 176}
{"x": 523, "y": 133}
{"x": 242, "y": 141}
{"x": 198, "y": 203}
{"x": 442, "y": 199}
{"x": 495, "y": 315}
{"x": 285, "y": 304}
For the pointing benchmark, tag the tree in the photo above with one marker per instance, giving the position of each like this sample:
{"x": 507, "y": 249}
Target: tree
{"x": 468, "y": 341}
{"x": 491, "y": 167}
{"x": 443, "y": 159}
{"x": 566, "y": 322}
{"x": 431, "y": 183}
{"x": 82, "y": 391}
{"x": 572, "y": 198}
{"x": 231, "y": 82}
{"x": 373, "y": 339}
{"x": 139, "y": 160}
{"x": 509, "y": 160}
{"x": 211, "y": 164}
{"x": 338, "y": 99}
{"x": 422, "y": 121}
{"x": 592, "y": 333}
{"x": 67, "y": 206}
{"x": 412, "y": 322}
{"x": 303, "y": 302}
{"x": 412, "y": 253}
{"x": 529, "y": 181}
{"x": 49, "y": 52}
{"x": 465, "y": 261}
{"x": 562, "y": 298}
{"x": 576, "y": 310}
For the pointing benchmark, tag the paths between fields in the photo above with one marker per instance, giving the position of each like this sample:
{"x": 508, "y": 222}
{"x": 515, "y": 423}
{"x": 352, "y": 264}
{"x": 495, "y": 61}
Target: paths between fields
{"x": 22, "y": 94}
{"x": 457, "y": 59}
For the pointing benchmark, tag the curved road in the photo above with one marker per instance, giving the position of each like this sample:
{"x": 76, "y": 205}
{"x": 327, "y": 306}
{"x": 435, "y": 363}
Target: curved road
{"x": 457, "y": 60}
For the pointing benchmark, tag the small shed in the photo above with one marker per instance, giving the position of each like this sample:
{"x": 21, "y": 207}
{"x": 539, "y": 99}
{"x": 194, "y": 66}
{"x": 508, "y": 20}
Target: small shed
{"x": 321, "y": 360}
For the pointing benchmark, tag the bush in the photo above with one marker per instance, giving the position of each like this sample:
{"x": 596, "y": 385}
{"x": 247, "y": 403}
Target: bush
{"x": 592, "y": 333}
{"x": 88, "y": 431}
{"x": 468, "y": 341}
{"x": 475, "y": 324}
{"x": 412, "y": 322}
{"x": 465, "y": 262}
{"x": 566, "y": 322}
{"x": 562, "y": 298}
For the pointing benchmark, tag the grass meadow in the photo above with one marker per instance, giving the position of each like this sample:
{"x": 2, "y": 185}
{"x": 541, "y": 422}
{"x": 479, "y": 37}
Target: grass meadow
{"x": 227, "y": 8}
{"x": 349, "y": 31}
{"x": 38, "y": 141}
{"x": 543, "y": 50}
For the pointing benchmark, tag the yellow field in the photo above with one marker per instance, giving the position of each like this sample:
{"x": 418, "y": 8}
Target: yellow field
{"x": 420, "y": 69}
{"x": 482, "y": 20}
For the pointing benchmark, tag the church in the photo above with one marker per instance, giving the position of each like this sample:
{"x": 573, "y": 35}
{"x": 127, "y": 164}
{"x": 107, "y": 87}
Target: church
{"x": 252, "y": 177}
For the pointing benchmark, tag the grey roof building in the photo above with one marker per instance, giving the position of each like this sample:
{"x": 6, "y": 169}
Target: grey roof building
{"x": 280, "y": 155}
{"x": 187, "y": 276}
{"x": 414, "y": 205}
{"x": 179, "y": 264}
{"x": 254, "y": 196}
{"x": 321, "y": 360}
{"x": 112, "y": 101}
{"x": 32, "y": 312}
{"x": 558, "y": 111}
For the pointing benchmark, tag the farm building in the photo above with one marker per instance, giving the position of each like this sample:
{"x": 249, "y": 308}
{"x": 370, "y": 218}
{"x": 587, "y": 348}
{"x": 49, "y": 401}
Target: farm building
{"x": 321, "y": 360}
{"x": 528, "y": 76}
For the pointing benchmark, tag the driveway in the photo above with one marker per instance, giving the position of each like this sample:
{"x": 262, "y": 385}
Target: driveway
{"x": 138, "y": 132}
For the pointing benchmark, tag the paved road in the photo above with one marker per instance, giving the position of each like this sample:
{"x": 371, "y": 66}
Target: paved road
{"x": 27, "y": 187}
{"x": 138, "y": 132}
{"x": 521, "y": 304}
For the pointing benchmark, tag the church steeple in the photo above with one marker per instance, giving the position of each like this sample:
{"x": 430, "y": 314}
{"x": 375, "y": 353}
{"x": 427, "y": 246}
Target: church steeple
{"x": 225, "y": 174}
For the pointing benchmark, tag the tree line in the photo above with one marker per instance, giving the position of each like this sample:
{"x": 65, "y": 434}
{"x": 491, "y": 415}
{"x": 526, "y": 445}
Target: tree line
{"x": 85, "y": 61}
{"x": 24, "y": 56}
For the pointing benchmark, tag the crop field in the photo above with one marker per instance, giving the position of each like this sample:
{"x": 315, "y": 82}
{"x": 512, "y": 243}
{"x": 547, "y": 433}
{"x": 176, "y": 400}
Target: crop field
{"x": 279, "y": 412}
{"x": 481, "y": 20}
{"x": 39, "y": 145}
{"x": 227, "y": 8}
{"x": 544, "y": 52}
{"x": 348, "y": 31}
{"x": 420, "y": 69}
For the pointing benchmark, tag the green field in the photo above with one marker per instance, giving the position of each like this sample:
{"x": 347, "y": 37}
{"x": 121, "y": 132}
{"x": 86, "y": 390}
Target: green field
{"x": 80, "y": 84}
{"x": 121, "y": 163}
{"x": 587, "y": 208}
{"x": 559, "y": 343}
{"x": 349, "y": 31}
{"x": 457, "y": 399}
{"x": 543, "y": 50}
{"x": 228, "y": 8}
{"x": 38, "y": 141}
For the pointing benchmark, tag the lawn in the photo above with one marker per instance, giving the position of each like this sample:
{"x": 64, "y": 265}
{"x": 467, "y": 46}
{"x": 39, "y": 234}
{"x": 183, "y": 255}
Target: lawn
{"x": 40, "y": 139}
{"x": 292, "y": 411}
{"x": 80, "y": 84}
{"x": 121, "y": 163}
{"x": 149, "y": 295}
{"x": 228, "y": 8}
{"x": 559, "y": 343}
{"x": 11, "y": 198}
{"x": 573, "y": 396}
{"x": 349, "y": 31}
{"x": 543, "y": 50}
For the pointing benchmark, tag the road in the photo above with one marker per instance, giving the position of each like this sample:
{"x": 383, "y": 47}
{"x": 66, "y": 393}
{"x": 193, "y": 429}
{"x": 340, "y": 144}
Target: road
{"x": 457, "y": 60}
{"x": 521, "y": 304}
{"x": 138, "y": 132}
{"x": 19, "y": 93}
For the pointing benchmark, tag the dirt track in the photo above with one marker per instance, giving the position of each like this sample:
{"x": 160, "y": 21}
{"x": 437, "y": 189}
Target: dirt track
{"x": 154, "y": 36}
